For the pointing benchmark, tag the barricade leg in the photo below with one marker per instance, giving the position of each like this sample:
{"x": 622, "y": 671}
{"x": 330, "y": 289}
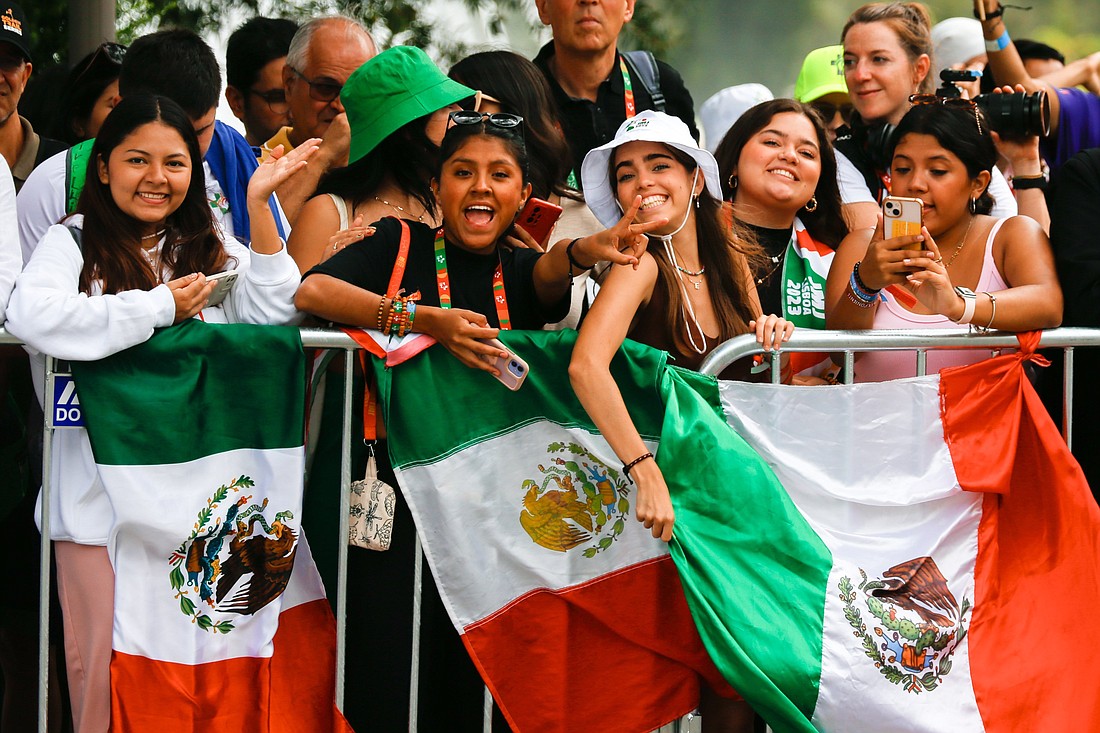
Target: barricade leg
{"x": 45, "y": 561}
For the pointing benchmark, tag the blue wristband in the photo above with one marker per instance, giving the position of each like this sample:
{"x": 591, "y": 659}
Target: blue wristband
{"x": 998, "y": 44}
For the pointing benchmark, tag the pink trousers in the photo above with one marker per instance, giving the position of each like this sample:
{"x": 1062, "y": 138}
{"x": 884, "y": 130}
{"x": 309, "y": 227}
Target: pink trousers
{"x": 86, "y": 587}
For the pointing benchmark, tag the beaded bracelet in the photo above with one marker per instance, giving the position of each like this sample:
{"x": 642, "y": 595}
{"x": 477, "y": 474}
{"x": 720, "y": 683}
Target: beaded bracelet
{"x": 863, "y": 287}
{"x": 381, "y": 312}
{"x": 635, "y": 462}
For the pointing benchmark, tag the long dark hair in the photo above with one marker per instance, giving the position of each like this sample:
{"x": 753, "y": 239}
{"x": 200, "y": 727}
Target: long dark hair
{"x": 722, "y": 250}
{"x": 407, "y": 154}
{"x": 956, "y": 129}
{"x": 825, "y": 223}
{"x": 111, "y": 242}
{"x": 523, "y": 90}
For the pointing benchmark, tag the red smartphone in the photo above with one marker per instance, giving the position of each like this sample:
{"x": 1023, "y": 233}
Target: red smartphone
{"x": 537, "y": 218}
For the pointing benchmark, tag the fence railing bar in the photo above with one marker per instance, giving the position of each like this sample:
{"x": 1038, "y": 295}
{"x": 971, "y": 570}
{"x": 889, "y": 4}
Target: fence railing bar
{"x": 1067, "y": 396}
{"x": 342, "y": 545}
{"x": 922, "y": 362}
{"x": 44, "y": 552}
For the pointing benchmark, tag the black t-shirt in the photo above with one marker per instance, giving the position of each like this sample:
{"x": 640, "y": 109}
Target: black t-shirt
{"x": 588, "y": 125}
{"x": 368, "y": 264}
{"x": 775, "y": 243}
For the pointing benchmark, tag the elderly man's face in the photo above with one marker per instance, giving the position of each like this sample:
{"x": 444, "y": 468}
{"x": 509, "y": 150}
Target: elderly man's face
{"x": 585, "y": 25}
{"x": 313, "y": 92}
{"x": 14, "y": 73}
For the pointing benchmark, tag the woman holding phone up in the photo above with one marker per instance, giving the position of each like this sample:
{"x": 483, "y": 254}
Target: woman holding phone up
{"x": 135, "y": 257}
{"x": 964, "y": 269}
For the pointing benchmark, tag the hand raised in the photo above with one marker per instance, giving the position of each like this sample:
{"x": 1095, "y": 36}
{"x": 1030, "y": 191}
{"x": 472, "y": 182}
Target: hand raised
{"x": 621, "y": 244}
{"x": 278, "y": 167}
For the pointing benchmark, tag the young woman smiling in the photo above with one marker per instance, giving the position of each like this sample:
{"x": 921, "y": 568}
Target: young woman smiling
{"x": 133, "y": 258}
{"x": 779, "y": 172}
{"x": 480, "y": 187}
{"x": 965, "y": 268}
{"x": 692, "y": 289}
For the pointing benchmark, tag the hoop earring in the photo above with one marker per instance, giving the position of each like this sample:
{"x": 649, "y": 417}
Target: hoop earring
{"x": 973, "y": 206}
{"x": 811, "y": 205}
{"x": 732, "y": 181}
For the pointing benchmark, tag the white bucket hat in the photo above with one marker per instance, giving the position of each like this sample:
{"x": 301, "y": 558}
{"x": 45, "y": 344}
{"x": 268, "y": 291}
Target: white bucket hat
{"x": 649, "y": 126}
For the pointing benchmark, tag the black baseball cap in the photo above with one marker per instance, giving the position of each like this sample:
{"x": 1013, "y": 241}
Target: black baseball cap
{"x": 13, "y": 28}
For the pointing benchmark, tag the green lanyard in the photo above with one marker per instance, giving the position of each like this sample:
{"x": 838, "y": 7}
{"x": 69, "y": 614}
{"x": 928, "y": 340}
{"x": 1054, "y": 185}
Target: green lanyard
{"x": 443, "y": 283}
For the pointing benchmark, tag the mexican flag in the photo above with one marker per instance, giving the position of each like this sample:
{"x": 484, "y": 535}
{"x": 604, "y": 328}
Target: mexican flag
{"x": 904, "y": 556}
{"x": 221, "y": 621}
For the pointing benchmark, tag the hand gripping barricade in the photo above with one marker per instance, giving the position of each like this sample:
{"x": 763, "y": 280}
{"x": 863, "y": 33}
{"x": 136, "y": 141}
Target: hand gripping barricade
{"x": 62, "y": 412}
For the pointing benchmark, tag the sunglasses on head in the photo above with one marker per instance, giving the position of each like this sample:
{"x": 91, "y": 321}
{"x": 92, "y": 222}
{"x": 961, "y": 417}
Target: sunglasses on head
{"x": 503, "y": 120}
{"x": 957, "y": 102}
{"x": 112, "y": 53}
{"x": 324, "y": 90}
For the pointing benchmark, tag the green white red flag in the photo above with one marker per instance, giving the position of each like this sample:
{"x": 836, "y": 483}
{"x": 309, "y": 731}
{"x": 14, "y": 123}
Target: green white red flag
{"x": 904, "y": 556}
{"x": 221, "y": 621}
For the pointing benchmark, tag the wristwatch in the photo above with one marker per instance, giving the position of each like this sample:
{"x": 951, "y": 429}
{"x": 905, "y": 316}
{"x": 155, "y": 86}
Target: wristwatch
{"x": 969, "y": 301}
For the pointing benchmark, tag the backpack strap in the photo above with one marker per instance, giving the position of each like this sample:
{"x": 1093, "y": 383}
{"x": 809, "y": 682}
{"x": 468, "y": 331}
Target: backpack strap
{"x": 78, "y": 236}
{"x": 76, "y": 172}
{"x": 644, "y": 66}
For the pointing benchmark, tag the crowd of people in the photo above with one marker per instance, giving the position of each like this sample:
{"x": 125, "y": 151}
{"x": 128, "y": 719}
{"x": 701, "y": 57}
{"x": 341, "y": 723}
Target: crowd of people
{"x": 361, "y": 169}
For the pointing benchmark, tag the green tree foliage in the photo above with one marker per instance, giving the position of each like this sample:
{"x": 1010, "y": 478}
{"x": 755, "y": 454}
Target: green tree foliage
{"x": 714, "y": 43}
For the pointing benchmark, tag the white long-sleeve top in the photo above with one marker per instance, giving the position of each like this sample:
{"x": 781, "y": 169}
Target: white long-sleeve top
{"x": 49, "y": 313}
{"x": 11, "y": 258}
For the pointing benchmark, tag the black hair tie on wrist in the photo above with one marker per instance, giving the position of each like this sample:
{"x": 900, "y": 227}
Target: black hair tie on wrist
{"x": 572, "y": 261}
{"x": 635, "y": 462}
{"x": 1001, "y": 11}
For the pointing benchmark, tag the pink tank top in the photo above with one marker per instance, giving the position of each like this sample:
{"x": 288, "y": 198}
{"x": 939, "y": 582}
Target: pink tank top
{"x": 880, "y": 366}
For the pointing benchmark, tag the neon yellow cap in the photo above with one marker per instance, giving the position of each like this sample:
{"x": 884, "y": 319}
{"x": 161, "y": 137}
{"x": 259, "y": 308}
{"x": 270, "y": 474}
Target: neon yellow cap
{"x": 822, "y": 73}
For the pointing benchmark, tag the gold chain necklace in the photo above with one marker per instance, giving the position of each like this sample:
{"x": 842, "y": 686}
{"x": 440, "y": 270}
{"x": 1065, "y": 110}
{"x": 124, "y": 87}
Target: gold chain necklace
{"x": 959, "y": 246}
{"x": 400, "y": 209}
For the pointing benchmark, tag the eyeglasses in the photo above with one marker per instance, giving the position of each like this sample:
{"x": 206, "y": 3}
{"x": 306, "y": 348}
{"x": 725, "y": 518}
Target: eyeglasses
{"x": 323, "y": 90}
{"x": 829, "y": 110}
{"x": 275, "y": 99}
{"x": 956, "y": 102}
{"x": 503, "y": 120}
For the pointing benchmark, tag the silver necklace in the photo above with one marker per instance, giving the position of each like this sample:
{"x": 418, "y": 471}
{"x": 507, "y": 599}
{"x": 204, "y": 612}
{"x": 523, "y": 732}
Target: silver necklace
{"x": 399, "y": 208}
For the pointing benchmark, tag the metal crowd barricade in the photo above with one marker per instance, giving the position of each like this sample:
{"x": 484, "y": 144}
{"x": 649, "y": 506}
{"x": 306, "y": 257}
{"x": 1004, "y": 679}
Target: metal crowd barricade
{"x": 848, "y": 342}
{"x": 920, "y": 341}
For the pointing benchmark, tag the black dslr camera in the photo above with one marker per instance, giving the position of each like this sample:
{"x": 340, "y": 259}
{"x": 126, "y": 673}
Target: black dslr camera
{"x": 1013, "y": 115}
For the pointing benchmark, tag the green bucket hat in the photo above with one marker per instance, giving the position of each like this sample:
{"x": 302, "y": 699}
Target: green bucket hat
{"x": 392, "y": 89}
{"x": 822, "y": 73}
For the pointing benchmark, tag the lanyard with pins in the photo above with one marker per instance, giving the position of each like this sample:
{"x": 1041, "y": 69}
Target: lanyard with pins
{"x": 443, "y": 283}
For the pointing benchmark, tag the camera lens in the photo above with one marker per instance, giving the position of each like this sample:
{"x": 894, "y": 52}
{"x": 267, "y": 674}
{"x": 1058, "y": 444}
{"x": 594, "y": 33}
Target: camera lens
{"x": 1017, "y": 115}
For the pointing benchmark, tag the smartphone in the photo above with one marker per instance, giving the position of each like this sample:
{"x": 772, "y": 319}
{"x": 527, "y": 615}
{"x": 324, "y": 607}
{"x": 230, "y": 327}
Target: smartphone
{"x": 537, "y": 218}
{"x": 513, "y": 370}
{"x": 223, "y": 283}
{"x": 901, "y": 216}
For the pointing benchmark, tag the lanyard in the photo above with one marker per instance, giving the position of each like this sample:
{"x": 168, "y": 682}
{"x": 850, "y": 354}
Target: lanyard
{"x": 628, "y": 90}
{"x": 443, "y": 283}
{"x": 630, "y": 109}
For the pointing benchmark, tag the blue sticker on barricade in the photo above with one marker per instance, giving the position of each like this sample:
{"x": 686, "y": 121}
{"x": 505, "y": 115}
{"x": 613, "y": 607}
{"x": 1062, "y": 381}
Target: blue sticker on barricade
{"x": 67, "y": 412}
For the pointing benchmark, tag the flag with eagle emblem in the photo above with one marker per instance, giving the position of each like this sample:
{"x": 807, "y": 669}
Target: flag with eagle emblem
{"x": 911, "y": 556}
{"x": 221, "y": 621}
